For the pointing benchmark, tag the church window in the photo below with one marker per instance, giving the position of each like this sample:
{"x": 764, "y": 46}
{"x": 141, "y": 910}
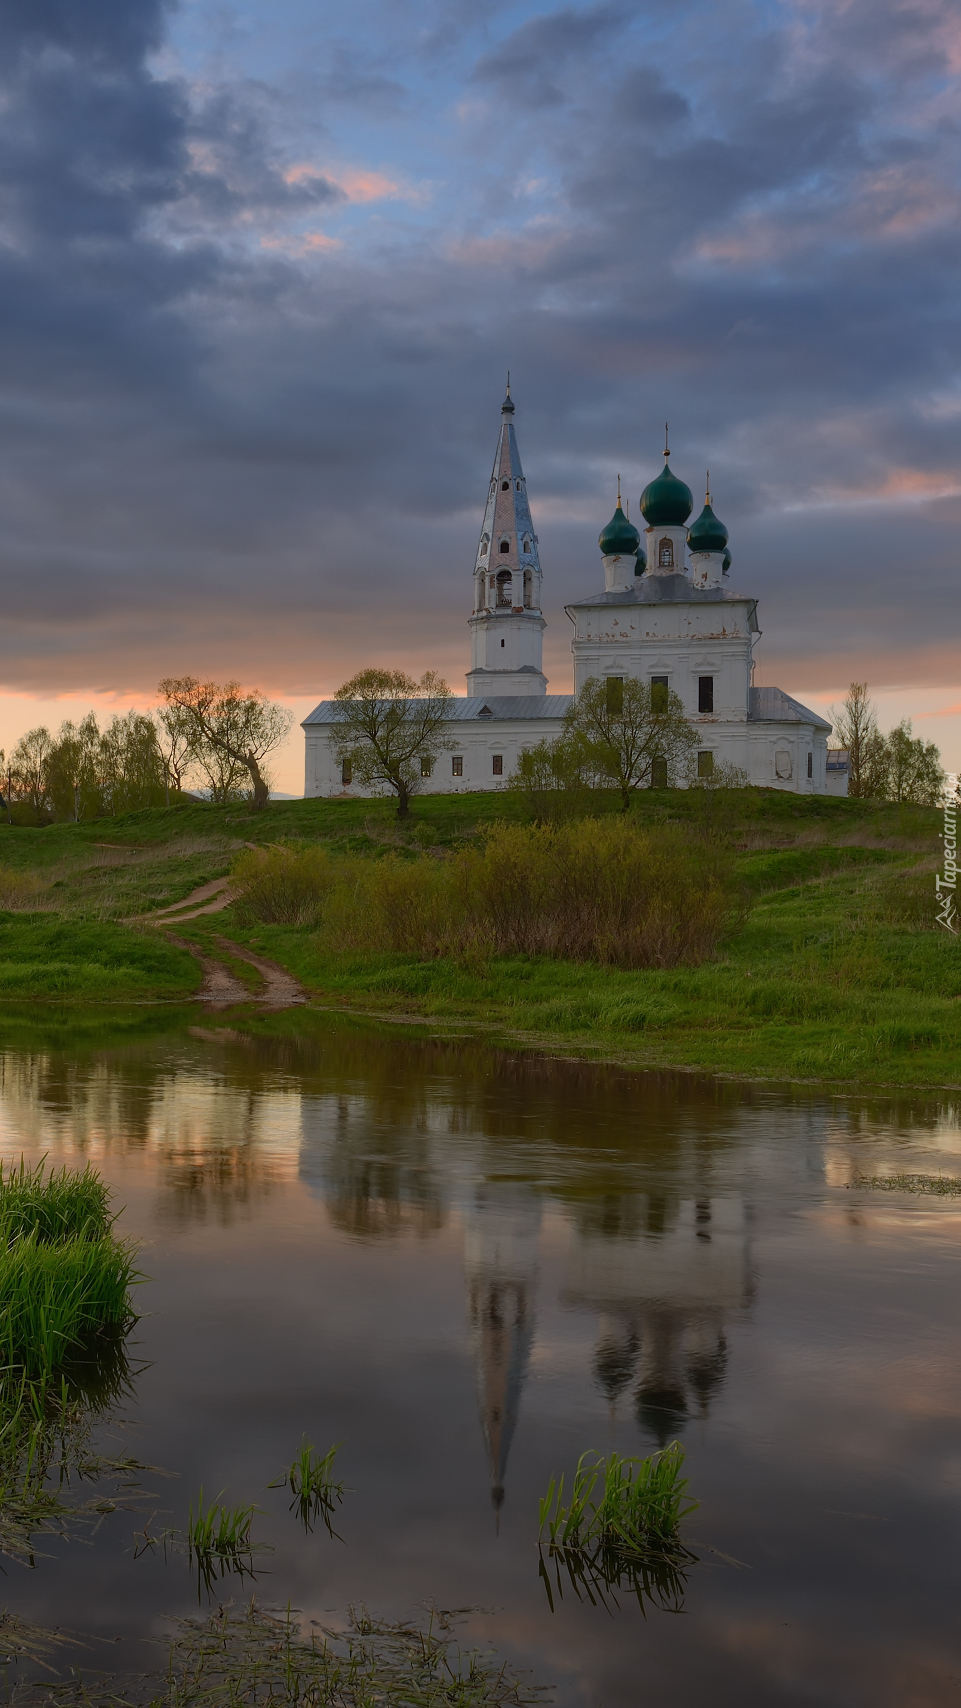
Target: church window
{"x": 810, "y": 765}
{"x": 659, "y": 687}
{"x": 528, "y": 584}
{"x": 518, "y": 484}
{"x": 705, "y": 694}
{"x": 505, "y": 545}
{"x": 659, "y": 773}
{"x": 426, "y": 765}
{"x": 457, "y": 765}
{"x": 665, "y": 555}
{"x": 782, "y": 764}
{"x": 497, "y": 764}
{"x": 505, "y": 486}
{"x": 502, "y": 643}
{"x": 346, "y": 773}
{"x": 614, "y": 693}
{"x": 705, "y": 764}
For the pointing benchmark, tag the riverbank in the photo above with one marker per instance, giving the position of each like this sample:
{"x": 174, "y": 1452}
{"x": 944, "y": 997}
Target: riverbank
{"x": 834, "y": 972}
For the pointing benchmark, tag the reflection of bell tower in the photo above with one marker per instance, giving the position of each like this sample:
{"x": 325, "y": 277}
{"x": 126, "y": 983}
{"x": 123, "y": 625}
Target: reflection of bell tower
{"x": 500, "y": 1263}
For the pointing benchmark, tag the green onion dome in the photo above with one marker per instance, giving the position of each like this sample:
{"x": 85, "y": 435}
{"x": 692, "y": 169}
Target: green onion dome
{"x": 707, "y": 534}
{"x": 641, "y": 564}
{"x": 666, "y": 502}
{"x": 620, "y": 537}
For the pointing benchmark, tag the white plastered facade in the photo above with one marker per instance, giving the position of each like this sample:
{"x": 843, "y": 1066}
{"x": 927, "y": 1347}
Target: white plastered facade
{"x": 677, "y": 621}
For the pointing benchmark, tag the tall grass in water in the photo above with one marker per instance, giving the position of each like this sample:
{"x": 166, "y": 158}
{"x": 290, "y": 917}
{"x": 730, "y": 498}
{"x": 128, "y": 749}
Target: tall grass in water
{"x": 621, "y": 1528}
{"x": 218, "y": 1541}
{"x": 64, "y": 1310}
{"x": 600, "y": 890}
{"x": 54, "y": 1206}
{"x": 311, "y": 1483}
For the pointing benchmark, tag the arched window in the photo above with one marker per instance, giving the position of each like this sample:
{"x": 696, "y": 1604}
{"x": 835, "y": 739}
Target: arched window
{"x": 665, "y": 555}
{"x": 527, "y": 544}
{"x": 505, "y": 584}
{"x": 518, "y": 484}
{"x": 505, "y": 486}
{"x": 528, "y": 584}
{"x": 505, "y": 545}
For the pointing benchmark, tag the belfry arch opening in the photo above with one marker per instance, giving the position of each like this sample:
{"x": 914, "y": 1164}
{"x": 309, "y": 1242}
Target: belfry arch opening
{"x": 505, "y": 585}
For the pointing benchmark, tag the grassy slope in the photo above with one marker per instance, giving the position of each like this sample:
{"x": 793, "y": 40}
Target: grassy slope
{"x": 816, "y": 983}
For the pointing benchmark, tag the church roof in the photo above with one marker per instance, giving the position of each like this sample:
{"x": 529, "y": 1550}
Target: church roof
{"x": 664, "y": 590}
{"x": 471, "y": 707}
{"x": 772, "y": 705}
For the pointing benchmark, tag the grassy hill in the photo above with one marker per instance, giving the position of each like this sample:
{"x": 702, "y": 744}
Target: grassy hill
{"x": 834, "y": 971}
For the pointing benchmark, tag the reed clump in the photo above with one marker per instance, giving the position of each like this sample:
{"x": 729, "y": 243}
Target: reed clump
{"x": 599, "y": 890}
{"x": 63, "y": 1275}
{"x": 620, "y": 1530}
{"x": 54, "y": 1205}
{"x": 219, "y": 1541}
{"x": 314, "y": 1490}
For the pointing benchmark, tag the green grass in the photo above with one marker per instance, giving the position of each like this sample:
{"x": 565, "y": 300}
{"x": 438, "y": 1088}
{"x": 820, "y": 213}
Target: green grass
{"x": 834, "y": 974}
{"x": 50, "y": 956}
{"x": 311, "y": 1481}
{"x": 218, "y": 1540}
{"x": 624, "y": 1536}
{"x": 52, "y": 1205}
{"x": 52, "y": 1297}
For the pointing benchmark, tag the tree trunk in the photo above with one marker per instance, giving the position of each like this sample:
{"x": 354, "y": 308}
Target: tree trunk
{"x": 403, "y": 801}
{"x": 261, "y": 791}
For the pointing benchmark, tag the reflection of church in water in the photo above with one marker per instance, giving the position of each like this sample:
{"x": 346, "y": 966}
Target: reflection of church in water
{"x": 662, "y": 1278}
{"x": 662, "y": 1275}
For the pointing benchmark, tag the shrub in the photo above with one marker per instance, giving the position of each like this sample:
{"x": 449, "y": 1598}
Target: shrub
{"x": 284, "y": 885}
{"x": 19, "y": 891}
{"x": 600, "y": 890}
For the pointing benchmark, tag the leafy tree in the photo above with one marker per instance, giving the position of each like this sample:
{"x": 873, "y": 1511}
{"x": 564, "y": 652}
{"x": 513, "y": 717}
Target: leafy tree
{"x": 915, "y": 772}
{"x": 856, "y": 728}
{"x": 631, "y": 733}
{"x": 230, "y": 732}
{"x": 554, "y": 779}
{"x": 172, "y": 730}
{"x": 391, "y": 729}
{"x": 29, "y": 772}
{"x": 74, "y": 772}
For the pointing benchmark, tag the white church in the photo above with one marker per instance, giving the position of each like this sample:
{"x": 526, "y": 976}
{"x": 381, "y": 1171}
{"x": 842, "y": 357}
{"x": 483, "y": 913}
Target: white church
{"x": 666, "y": 615}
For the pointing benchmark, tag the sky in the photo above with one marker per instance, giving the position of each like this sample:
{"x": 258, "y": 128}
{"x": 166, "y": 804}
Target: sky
{"x": 263, "y": 268}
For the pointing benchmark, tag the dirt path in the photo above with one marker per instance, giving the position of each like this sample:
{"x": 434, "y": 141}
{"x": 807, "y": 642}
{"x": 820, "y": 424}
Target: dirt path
{"x": 207, "y": 898}
{"x": 282, "y": 990}
{"x": 221, "y": 989}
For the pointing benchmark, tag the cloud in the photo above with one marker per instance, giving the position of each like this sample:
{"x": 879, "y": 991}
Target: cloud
{"x": 253, "y": 333}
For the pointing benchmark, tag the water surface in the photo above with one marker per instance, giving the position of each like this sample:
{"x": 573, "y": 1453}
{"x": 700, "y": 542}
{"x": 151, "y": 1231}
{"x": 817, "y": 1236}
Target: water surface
{"x": 469, "y": 1264}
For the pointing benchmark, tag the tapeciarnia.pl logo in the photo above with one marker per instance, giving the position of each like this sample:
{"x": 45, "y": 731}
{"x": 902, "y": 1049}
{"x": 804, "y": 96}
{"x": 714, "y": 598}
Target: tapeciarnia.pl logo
{"x": 946, "y": 883}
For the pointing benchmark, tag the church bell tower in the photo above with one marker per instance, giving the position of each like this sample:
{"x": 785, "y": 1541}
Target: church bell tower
{"x": 507, "y": 627}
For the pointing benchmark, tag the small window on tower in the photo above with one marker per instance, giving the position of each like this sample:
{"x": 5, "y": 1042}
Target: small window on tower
{"x": 505, "y": 545}
{"x": 506, "y": 486}
{"x": 457, "y": 765}
{"x": 518, "y": 486}
{"x": 497, "y": 762}
{"x": 665, "y": 555}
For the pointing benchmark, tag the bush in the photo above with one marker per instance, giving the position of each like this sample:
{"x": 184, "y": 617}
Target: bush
{"x": 19, "y": 891}
{"x": 284, "y": 885}
{"x": 601, "y": 890}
